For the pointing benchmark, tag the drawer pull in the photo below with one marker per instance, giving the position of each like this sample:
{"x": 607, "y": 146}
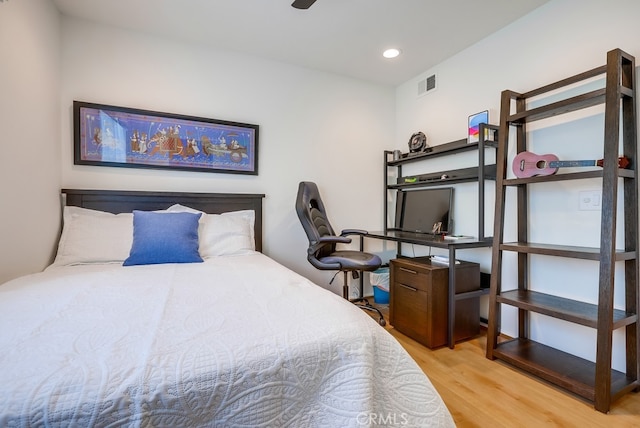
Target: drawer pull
{"x": 407, "y": 287}
{"x": 409, "y": 271}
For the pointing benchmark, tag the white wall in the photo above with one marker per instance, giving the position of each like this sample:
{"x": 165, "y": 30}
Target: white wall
{"x": 313, "y": 126}
{"x": 560, "y": 39}
{"x": 30, "y": 122}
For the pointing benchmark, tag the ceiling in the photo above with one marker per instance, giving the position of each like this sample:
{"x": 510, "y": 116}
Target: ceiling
{"x": 346, "y": 37}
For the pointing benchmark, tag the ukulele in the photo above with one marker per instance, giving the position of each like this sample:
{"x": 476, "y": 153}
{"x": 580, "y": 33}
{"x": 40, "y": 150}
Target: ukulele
{"x": 527, "y": 164}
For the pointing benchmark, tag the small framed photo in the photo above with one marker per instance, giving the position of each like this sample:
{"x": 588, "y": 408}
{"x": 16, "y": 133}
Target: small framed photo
{"x": 125, "y": 137}
{"x": 474, "y": 125}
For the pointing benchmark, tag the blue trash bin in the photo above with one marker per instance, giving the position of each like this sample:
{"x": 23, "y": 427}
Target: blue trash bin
{"x": 380, "y": 281}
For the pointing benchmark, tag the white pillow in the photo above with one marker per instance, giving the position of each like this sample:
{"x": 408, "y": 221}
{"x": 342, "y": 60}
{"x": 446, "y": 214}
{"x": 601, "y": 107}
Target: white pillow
{"x": 223, "y": 234}
{"x": 90, "y": 236}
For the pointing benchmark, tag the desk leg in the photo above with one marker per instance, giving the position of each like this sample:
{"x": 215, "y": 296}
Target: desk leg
{"x": 451, "y": 321}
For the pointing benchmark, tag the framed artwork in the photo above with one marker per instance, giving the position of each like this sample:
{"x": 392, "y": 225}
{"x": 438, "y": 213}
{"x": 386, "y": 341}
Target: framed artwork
{"x": 125, "y": 137}
{"x": 474, "y": 125}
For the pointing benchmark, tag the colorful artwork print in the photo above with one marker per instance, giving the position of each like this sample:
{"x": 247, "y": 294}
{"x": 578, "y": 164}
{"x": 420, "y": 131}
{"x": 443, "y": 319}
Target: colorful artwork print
{"x": 117, "y": 136}
{"x": 474, "y": 125}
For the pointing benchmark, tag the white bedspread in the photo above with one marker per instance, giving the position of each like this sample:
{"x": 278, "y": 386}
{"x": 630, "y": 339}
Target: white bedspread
{"x": 232, "y": 342}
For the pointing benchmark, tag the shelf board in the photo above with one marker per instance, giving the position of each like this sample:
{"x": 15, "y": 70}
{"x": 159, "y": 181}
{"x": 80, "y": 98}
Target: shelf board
{"x": 451, "y": 148}
{"x": 561, "y": 308}
{"x": 471, "y": 294}
{"x": 454, "y": 176}
{"x": 572, "y": 373}
{"x": 627, "y": 92}
{"x": 585, "y": 253}
{"x": 623, "y": 173}
{"x": 577, "y": 78}
{"x": 578, "y": 102}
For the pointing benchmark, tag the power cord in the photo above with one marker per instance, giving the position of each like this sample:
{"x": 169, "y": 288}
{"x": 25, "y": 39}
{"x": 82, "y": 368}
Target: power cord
{"x": 334, "y": 277}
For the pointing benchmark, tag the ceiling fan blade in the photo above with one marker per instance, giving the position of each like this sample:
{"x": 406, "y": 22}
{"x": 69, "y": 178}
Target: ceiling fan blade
{"x": 302, "y": 4}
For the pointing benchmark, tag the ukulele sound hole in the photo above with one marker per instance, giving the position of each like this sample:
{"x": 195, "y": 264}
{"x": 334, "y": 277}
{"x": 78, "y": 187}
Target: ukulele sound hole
{"x": 541, "y": 164}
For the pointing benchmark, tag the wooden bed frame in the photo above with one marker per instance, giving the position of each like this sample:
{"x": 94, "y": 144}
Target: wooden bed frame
{"x": 119, "y": 201}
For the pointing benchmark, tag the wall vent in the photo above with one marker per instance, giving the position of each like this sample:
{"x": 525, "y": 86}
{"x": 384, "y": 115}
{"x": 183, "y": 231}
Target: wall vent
{"x": 427, "y": 85}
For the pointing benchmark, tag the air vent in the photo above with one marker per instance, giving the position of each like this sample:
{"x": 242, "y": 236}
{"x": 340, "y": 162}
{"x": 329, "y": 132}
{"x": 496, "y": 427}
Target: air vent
{"x": 427, "y": 85}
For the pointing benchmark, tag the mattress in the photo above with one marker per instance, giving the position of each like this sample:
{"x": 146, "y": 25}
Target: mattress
{"x": 238, "y": 341}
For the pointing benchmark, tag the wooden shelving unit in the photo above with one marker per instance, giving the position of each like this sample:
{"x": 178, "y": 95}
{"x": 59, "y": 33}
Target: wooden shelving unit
{"x": 595, "y": 381}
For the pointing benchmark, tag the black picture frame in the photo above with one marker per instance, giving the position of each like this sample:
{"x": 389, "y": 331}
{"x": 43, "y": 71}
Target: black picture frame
{"x": 106, "y": 135}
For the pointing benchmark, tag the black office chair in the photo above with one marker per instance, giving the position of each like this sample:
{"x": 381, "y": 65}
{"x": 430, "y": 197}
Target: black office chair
{"x": 322, "y": 253}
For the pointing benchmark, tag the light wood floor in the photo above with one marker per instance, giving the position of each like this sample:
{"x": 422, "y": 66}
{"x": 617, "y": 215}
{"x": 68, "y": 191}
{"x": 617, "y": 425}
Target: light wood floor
{"x": 484, "y": 393}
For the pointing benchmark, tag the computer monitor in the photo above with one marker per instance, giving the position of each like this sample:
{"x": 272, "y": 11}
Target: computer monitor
{"x": 424, "y": 210}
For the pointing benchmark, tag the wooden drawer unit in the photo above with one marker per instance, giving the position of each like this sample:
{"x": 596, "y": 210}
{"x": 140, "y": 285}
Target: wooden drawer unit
{"x": 418, "y": 305}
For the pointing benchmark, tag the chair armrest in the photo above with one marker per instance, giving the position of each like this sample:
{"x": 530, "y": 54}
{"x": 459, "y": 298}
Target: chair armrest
{"x": 334, "y": 239}
{"x": 324, "y": 240}
{"x": 354, "y": 232}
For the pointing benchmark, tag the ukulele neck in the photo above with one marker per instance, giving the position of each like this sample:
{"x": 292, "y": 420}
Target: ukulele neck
{"x": 575, "y": 163}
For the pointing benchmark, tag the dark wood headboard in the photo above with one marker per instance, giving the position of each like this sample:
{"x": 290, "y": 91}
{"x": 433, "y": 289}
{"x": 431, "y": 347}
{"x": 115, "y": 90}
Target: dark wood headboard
{"x": 119, "y": 201}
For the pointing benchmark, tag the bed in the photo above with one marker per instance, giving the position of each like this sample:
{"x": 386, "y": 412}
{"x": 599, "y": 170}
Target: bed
{"x": 233, "y": 340}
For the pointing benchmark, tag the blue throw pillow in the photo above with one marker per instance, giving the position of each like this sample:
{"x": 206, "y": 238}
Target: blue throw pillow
{"x": 164, "y": 238}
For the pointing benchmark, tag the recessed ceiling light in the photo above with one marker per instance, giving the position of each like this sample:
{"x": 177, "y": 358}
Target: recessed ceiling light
{"x": 391, "y": 53}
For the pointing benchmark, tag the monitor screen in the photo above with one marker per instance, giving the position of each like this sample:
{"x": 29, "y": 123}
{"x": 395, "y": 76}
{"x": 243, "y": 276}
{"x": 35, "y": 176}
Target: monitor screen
{"x": 424, "y": 210}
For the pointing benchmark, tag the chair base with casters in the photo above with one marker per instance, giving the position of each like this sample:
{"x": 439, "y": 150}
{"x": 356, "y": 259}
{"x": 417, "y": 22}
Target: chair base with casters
{"x": 322, "y": 253}
{"x": 361, "y": 301}
{"x": 367, "y": 307}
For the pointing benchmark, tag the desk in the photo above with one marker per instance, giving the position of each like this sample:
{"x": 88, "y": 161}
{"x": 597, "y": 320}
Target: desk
{"x": 438, "y": 242}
